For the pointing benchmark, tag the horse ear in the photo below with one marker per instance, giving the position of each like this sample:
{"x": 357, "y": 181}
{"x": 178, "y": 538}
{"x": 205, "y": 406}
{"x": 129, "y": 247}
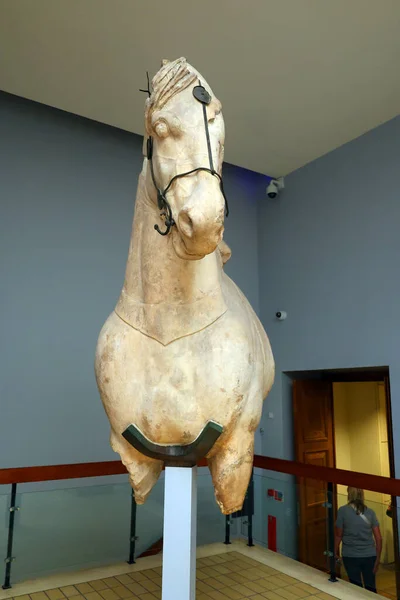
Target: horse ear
{"x": 164, "y": 62}
{"x": 224, "y": 251}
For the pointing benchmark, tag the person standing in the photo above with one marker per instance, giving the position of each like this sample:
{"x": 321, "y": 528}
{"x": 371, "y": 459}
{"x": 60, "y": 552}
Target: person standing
{"x": 357, "y": 529}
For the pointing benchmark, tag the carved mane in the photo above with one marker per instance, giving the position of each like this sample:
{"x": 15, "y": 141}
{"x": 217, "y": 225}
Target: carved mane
{"x": 172, "y": 78}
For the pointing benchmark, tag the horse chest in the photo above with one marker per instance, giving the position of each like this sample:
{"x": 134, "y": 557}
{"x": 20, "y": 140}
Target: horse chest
{"x": 197, "y": 380}
{"x": 212, "y": 361}
{"x": 162, "y": 389}
{"x": 216, "y": 362}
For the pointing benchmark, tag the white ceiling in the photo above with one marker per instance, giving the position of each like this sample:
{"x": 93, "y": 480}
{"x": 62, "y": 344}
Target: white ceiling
{"x": 297, "y": 78}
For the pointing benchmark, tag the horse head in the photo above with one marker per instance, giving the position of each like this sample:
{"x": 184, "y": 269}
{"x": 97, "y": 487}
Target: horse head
{"x": 184, "y": 146}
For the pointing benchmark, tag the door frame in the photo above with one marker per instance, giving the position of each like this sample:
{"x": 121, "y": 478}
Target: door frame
{"x": 395, "y": 518}
{"x": 380, "y": 374}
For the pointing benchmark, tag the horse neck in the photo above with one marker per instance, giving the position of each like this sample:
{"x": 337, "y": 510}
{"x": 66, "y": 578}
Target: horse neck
{"x": 154, "y": 273}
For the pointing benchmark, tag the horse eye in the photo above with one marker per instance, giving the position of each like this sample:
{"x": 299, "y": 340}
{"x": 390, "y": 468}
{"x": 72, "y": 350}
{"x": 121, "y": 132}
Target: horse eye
{"x": 161, "y": 129}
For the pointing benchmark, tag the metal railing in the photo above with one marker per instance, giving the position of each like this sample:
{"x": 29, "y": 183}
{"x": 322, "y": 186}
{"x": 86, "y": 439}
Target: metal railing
{"x": 301, "y": 471}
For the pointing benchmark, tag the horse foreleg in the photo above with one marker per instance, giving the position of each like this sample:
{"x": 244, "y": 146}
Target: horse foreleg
{"x": 231, "y": 467}
{"x": 143, "y": 471}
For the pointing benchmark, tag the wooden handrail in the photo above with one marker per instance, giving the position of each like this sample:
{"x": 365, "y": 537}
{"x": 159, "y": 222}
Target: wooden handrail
{"x": 375, "y": 483}
{"x": 384, "y": 485}
{"x": 60, "y": 472}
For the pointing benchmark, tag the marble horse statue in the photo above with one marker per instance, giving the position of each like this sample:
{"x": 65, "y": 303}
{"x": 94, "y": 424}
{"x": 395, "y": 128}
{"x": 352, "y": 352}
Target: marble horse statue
{"x": 183, "y": 347}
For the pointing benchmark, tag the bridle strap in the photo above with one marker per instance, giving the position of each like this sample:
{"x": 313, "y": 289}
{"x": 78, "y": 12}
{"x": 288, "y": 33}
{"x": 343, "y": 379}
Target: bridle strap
{"x": 201, "y": 94}
{"x": 163, "y": 203}
{"x": 210, "y": 158}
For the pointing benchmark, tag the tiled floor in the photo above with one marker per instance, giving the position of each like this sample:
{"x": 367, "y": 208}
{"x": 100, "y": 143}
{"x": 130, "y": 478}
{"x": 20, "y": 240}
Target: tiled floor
{"x": 228, "y": 576}
{"x": 386, "y": 583}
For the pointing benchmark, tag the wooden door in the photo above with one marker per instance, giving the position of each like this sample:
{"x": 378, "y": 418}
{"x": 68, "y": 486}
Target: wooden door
{"x": 314, "y": 442}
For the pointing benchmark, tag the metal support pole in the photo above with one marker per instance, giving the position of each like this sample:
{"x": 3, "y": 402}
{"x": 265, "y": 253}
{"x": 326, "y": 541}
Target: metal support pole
{"x": 227, "y": 530}
{"x": 11, "y": 521}
{"x": 251, "y": 508}
{"x": 331, "y": 534}
{"x": 132, "y": 538}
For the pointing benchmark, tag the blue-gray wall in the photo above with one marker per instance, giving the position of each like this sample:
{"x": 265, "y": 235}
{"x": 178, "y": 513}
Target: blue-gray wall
{"x": 67, "y": 190}
{"x": 329, "y": 251}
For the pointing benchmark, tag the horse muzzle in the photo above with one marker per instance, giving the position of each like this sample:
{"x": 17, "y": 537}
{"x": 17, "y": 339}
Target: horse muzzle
{"x": 197, "y": 235}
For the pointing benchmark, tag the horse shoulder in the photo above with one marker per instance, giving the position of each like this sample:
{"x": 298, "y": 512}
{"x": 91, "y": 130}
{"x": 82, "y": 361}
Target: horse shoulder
{"x": 240, "y": 308}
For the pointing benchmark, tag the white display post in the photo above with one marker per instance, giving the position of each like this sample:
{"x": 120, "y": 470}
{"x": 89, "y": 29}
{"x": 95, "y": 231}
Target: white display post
{"x": 180, "y": 532}
{"x": 180, "y": 505}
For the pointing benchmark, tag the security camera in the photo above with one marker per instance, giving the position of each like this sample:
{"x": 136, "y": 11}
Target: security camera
{"x": 281, "y": 315}
{"x": 274, "y": 187}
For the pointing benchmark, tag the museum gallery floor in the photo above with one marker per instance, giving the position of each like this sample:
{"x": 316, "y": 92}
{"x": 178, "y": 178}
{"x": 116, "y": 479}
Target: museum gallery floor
{"x": 225, "y": 576}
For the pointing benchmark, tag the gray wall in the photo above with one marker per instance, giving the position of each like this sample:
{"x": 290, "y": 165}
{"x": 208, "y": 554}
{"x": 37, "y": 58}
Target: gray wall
{"x": 67, "y": 189}
{"x": 329, "y": 256}
{"x": 329, "y": 250}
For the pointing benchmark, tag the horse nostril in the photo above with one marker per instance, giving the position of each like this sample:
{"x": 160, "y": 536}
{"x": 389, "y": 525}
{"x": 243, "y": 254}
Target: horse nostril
{"x": 186, "y": 224}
